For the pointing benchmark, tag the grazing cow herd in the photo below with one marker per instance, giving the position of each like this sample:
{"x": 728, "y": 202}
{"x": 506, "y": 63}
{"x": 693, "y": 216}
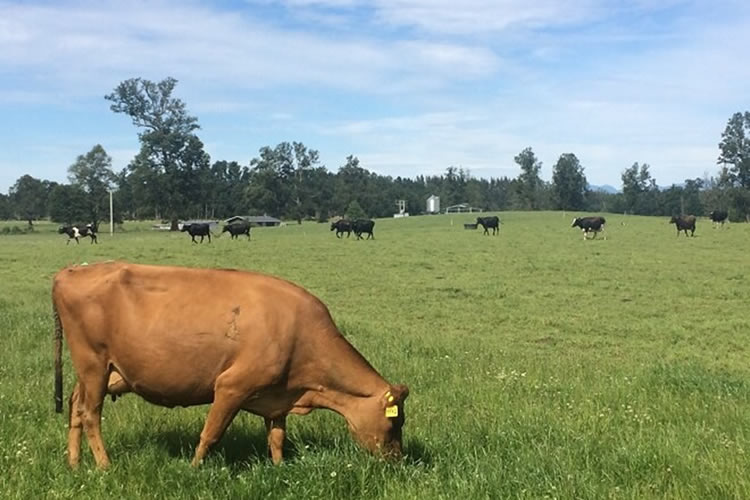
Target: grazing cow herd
{"x": 357, "y": 226}
{"x": 254, "y": 342}
{"x": 591, "y": 225}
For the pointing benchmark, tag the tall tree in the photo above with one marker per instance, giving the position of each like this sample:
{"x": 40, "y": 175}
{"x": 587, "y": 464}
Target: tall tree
{"x": 230, "y": 183}
{"x": 569, "y": 183}
{"x": 529, "y": 183}
{"x": 93, "y": 173}
{"x": 69, "y": 203}
{"x": 169, "y": 146}
{"x": 29, "y": 198}
{"x": 639, "y": 190}
{"x": 280, "y": 180}
{"x": 350, "y": 182}
{"x": 5, "y": 209}
{"x": 735, "y": 148}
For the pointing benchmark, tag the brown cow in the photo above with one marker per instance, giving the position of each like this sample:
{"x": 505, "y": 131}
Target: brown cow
{"x": 240, "y": 340}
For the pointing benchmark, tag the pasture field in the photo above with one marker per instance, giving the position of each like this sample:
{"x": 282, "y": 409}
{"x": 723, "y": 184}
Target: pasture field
{"x": 540, "y": 365}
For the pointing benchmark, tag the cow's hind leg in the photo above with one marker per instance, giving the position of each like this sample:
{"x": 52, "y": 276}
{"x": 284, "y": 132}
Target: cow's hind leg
{"x": 92, "y": 385}
{"x": 276, "y": 429}
{"x": 75, "y": 427}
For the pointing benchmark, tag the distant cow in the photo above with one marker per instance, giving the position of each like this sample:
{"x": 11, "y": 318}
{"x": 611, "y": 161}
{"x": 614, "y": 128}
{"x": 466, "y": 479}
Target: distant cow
{"x": 718, "y": 217}
{"x": 683, "y": 223}
{"x": 233, "y": 339}
{"x": 236, "y": 229}
{"x": 360, "y": 226}
{"x": 79, "y": 231}
{"x": 589, "y": 225}
{"x": 197, "y": 229}
{"x": 491, "y": 222}
{"x": 342, "y": 226}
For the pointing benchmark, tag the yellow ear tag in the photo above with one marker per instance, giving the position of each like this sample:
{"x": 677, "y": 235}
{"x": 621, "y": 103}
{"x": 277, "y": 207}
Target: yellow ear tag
{"x": 390, "y": 399}
{"x": 391, "y": 411}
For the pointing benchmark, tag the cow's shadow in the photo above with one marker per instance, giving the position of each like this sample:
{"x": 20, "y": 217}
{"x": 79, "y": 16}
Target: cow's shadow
{"x": 244, "y": 444}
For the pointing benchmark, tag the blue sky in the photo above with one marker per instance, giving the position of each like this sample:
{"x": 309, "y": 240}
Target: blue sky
{"x": 408, "y": 86}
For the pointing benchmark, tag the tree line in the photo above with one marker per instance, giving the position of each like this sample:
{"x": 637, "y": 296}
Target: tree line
{"x": 172, "y": 178}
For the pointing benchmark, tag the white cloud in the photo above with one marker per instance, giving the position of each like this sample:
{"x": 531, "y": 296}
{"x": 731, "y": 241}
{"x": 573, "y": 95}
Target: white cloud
{"x": 76, "y": 48}
{"x": 409, "y": 86}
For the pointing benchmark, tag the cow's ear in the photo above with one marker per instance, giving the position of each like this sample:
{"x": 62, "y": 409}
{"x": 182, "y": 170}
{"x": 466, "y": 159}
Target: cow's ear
{"x": 397, "y": 394}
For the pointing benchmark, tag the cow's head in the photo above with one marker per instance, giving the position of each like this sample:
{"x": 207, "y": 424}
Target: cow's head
{"x": 576, "y": 222}
{"x": 378, "y": 423}
{"x": 334, "y": 225}
{"x": 225, "y": 229}
{"x": 185, "y": 227}
{"x": 674, "y": 219}
{"x": 62, "y": 229}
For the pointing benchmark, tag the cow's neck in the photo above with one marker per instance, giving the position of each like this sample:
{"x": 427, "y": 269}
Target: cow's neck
{"x": 345, "y": 383}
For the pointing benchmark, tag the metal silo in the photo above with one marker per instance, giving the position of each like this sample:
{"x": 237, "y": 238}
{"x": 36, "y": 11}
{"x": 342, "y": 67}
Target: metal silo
{"x": 433, "y": 204}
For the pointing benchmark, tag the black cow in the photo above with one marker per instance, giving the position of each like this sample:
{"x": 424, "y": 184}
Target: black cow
{"x": 491, "y": 222}
{"x": 77, "y": 231}
{"x": 718, "y": 217}
{"x": 236, "y": 229}
{"x": 683, "y": 223}
{"x": 197, "y": 229}
{"x": 360, "y": 226}
{"x": 342, "y": 226}
{"x": 589, "y": 225}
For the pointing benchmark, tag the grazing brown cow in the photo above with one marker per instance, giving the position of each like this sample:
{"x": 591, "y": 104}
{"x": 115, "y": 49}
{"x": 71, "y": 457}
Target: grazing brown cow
{"x": 240, "y": 340}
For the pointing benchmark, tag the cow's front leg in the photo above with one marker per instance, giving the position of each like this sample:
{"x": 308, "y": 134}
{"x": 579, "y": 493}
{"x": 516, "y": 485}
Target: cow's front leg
{"x": 276, "y": 429}
{"x": 227, "y": 402}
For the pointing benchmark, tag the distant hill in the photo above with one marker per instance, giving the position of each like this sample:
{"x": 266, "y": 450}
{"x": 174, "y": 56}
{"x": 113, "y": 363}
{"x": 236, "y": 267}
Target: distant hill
{"x": 604, "y": 188}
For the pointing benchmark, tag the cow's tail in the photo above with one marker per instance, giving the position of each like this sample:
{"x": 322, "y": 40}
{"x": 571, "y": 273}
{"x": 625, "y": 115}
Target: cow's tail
{"x": 58, "y": 360}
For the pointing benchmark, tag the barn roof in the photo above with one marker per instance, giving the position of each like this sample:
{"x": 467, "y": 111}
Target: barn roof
{"x": 258, "y": 219}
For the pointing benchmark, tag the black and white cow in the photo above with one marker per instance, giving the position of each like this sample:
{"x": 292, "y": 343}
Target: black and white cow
{"x": 342, "y": 226}
{"x": 77, "y": 231}
{"x": 589, "y": 225}
{"x": 360, "y": 226}
{"x": 201, "y": 229}
{"x": 683, "y": 223}
{"x": 491, "y": 222}
{"x": 236, "y": 229}
{"x": 718, "y": 217}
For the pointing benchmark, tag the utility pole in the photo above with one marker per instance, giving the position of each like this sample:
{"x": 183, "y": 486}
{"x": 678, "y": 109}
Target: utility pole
{"x": 111, "y": 217}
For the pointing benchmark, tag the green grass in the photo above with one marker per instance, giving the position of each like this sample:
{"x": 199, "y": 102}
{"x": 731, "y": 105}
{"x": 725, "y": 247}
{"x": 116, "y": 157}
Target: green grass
{"x": 539, "y": 365}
